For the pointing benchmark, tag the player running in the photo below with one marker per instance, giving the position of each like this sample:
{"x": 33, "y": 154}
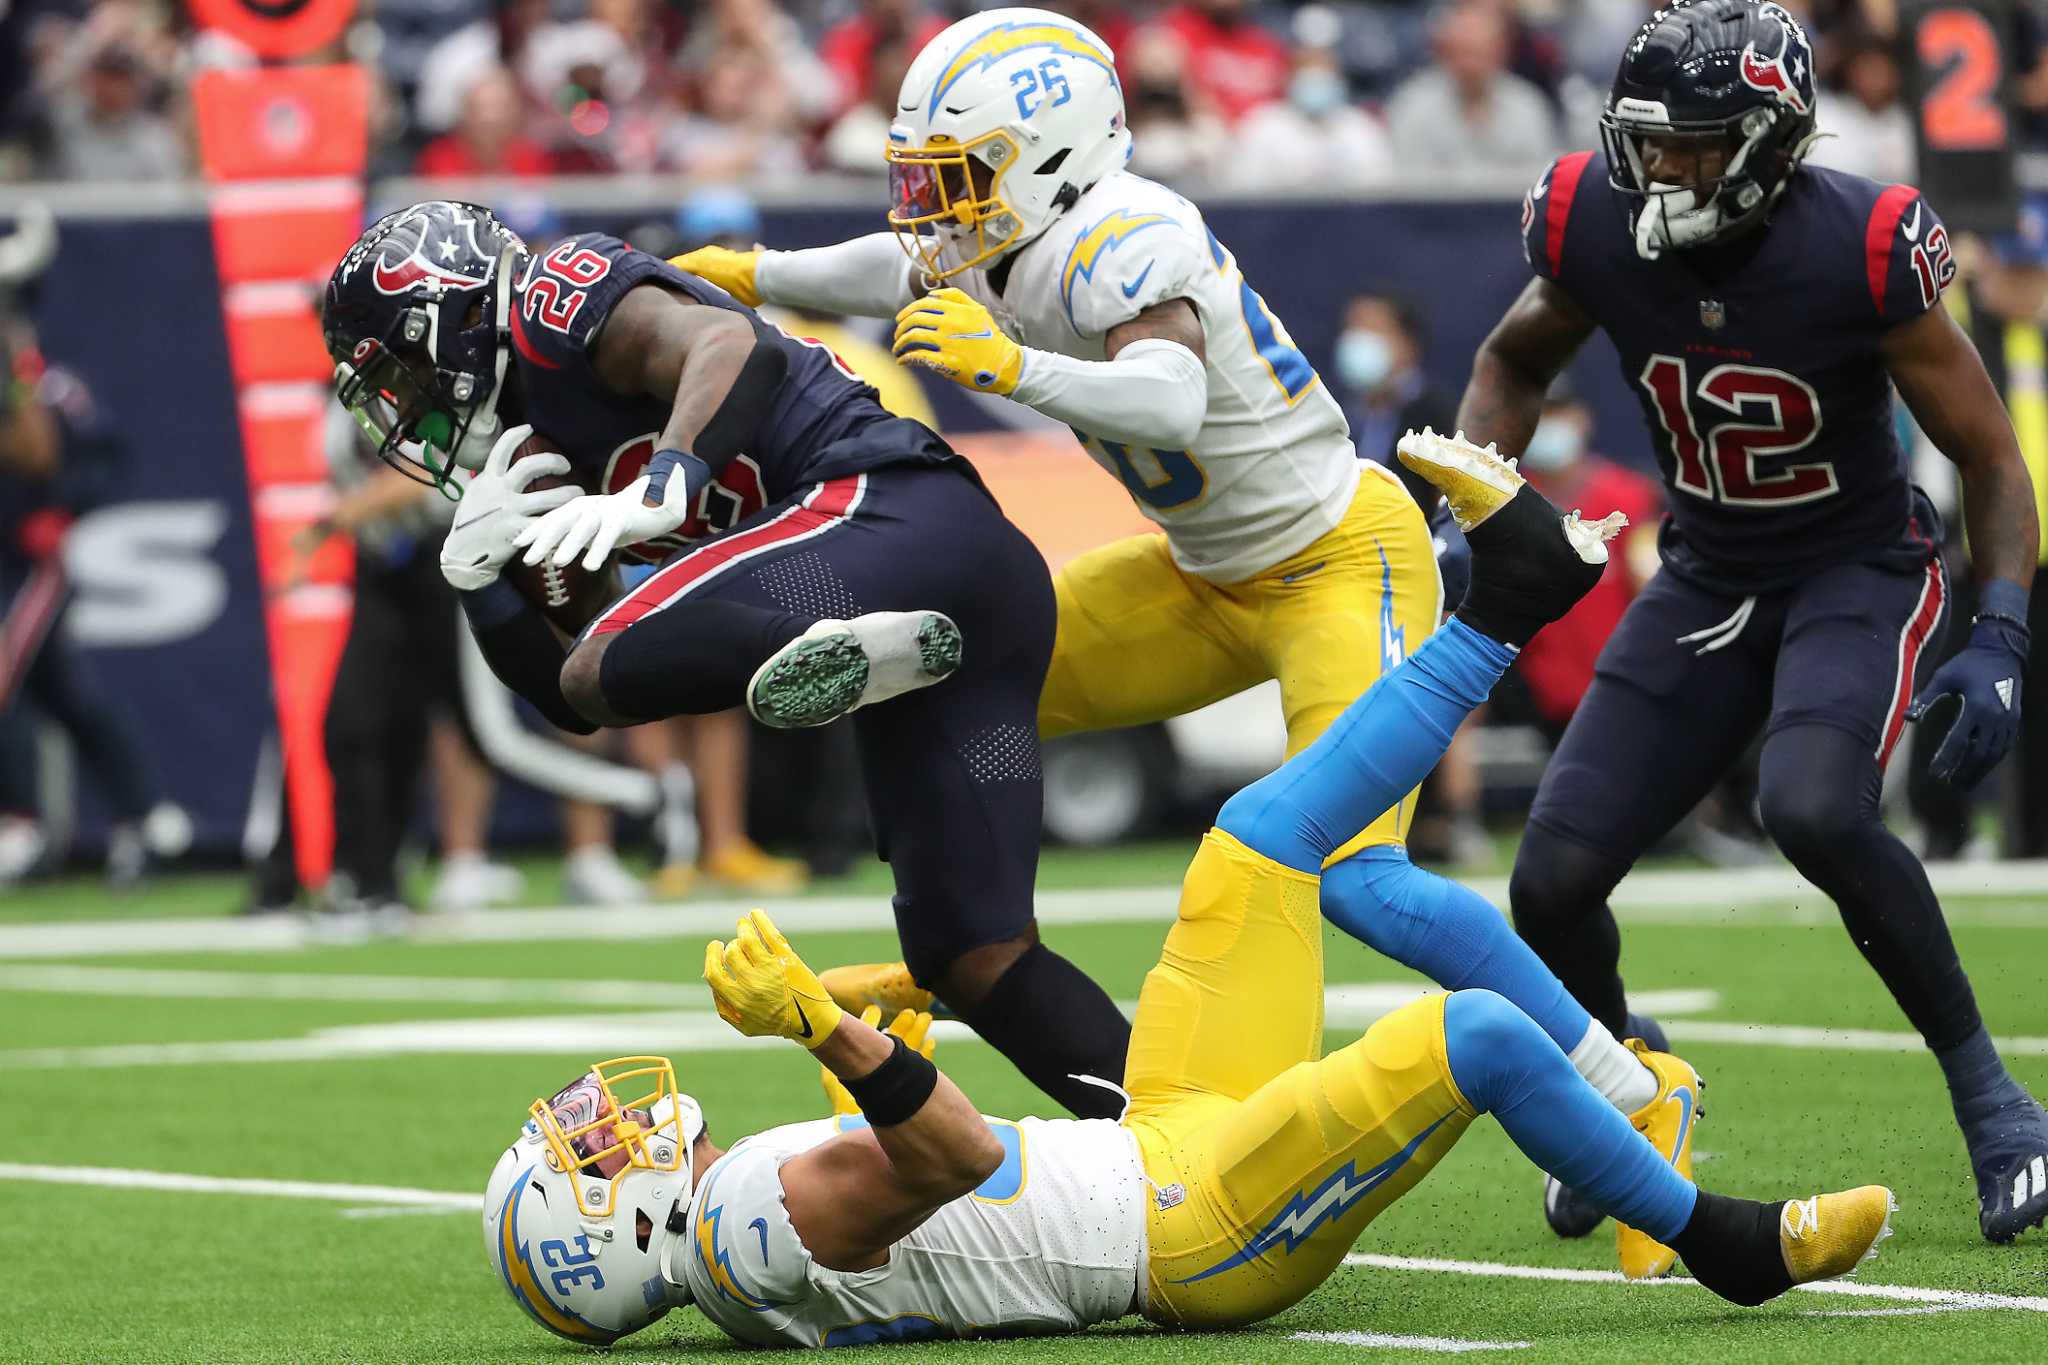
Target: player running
{"x": 1062, "y": 281}
{"x": 1246, "y": 1164}
{"x": 1759, "y": 307}
{"x": 818, "y": 556}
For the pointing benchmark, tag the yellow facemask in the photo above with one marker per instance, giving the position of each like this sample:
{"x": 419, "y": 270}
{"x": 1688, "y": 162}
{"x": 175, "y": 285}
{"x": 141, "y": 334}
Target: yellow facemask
{"x": 936, "y": 211}
{"x": 591, "y": 1120}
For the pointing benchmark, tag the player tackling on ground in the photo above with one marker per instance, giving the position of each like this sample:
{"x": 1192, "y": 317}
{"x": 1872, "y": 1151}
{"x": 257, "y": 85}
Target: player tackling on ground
{"x": 1760, "y": 307}
{"x": 1246, "y": 1164}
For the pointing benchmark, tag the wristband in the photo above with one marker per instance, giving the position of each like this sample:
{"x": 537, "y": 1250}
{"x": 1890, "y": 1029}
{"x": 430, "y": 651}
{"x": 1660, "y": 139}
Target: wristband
{"x": 665, "y": 464}
{"x": 895, "y": 1090}
{"x": 2005, "y": 601}
{"x": 492, "y": 605}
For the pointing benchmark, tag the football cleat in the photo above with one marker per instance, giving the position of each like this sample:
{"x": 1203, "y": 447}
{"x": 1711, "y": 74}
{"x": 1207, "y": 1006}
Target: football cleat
{"x": 1569, "y": 1213}
{"x": 837, "y": 667}
{"x": 1667, "y": 1121}
{"x": 888, "y": 986}
{"x": 2011, "y": 1165}
{"x": 1474, "y": 480}
{"x": 746, "y": 866}
{"x": 1834, "y": 1234}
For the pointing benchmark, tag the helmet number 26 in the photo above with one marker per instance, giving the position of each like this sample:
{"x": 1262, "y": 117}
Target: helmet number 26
{"x": 1771, "y": 414}
{"x": 1036, "y": 86}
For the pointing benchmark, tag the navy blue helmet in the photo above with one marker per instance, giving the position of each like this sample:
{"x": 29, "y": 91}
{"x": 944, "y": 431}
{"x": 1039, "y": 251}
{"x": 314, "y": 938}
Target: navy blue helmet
{"x": 417, "y": 318}
{"x": 1711, "y": 111}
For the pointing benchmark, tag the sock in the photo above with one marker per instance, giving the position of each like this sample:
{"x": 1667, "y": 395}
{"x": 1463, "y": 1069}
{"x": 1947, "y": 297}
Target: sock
{"x": 1372, "y": 755}
{"x": 1451, "y": 934}
{"x": 1978, "y": 1083}
{"x": 692, "y": 658}
{"x": 1731, "y": 1246}
{"x": 1505, "y": 1066}
{"x": 1054, "y": 1023}
{"x": 1612, "y": 1069}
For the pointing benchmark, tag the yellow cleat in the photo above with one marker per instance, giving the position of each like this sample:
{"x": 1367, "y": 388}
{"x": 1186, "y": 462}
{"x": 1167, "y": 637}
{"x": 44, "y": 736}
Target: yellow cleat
{"x": 1834, "y": 1234}
{"x": 673, "y": 881}
{"x": 1474, "y": 479}
{"x": 888, "y": 986}
{"x": 744, "y": 866}
{"x": 1667, "y": 1121}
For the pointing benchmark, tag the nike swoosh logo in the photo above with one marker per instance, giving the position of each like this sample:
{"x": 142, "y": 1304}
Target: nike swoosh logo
{"x": 1131, "y": 289}
{"x": 1912, "y": 230}
{"x": 485, "y": 515}
{"x": 1684, "y": 1097}
{"x": 801, "y": 1017}
{"x": 1303, "y": 573}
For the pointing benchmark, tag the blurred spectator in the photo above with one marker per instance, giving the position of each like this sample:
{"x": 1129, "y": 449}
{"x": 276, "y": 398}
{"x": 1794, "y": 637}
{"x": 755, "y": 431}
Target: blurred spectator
{"x": 1557, "y": 666}
{"x": 1174, "y": 134}
{"x": 1381, "y": 385}
{"x": 1467, "y": 112}
{"x": 1233, "y": 64}
{"x": 489, "y": 139}
{"x": 59, "y": 458}
{"x": 501, "y": 38}
{"x": 856, "y": 138}
{"x": 763, "y": 26}
{"x": 743, "y": 123}
{"x": 605, "y": 78}
{"x": 850, "y": 48}
{"x": 1315, "y": 138}
{"x": 103, "y": 128}
{"x": 1867, "y": 130}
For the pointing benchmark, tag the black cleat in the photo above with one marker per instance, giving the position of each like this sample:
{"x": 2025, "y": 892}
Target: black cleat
{"x": 2009, "y": 1153}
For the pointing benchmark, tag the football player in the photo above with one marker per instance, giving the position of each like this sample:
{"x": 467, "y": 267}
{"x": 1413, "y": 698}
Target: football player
{"x": 1246, "y": 1163}
{"x": 1024, "y": 260}
{"x": 817, "y": 556}
{"x": 1764, "y": 312}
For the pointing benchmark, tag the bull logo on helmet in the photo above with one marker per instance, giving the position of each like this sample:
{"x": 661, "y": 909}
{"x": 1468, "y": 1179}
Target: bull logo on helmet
{"x": 1783, "y": 73}
{"x": 418, "y": 266}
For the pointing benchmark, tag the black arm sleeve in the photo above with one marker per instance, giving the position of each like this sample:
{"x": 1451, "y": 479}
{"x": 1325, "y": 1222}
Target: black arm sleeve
{"x": 732, "y": 429}
{"x": 523, "y": 651}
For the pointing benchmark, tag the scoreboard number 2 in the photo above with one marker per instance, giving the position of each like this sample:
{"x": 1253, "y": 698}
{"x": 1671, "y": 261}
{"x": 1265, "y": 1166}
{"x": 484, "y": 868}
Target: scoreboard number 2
{"x": 1961, "y": 111}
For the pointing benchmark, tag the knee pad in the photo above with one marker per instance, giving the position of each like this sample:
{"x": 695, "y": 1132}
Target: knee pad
{"x": 1805, "y": 818}
{"x": 1556, "y": 881}
{"x": 1487, "y": 1042}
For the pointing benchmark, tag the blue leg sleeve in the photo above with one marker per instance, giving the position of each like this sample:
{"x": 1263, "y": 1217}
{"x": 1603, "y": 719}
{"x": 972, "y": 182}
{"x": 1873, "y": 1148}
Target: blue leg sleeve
{"x": 1372, "y": 756}
{"x": 1449, "y": 933}
{"x": 1507, "y": 1068}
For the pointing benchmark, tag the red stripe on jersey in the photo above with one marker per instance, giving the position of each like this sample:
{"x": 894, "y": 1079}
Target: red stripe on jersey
{"x": 1557, "y": 212}
{"x": 525, "y": 347}
{"x": 1926, "y": 615}
{"x": 825, "y": 506}
{"x": 1877, "y": 238}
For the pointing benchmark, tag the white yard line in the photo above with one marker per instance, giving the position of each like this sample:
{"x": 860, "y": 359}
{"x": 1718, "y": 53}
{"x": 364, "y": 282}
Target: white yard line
{"x": 113, "y": 1177}
{"x": 1388, "y": 1342}
{"x": 1769, "y": 895}
{"x": 130, "y": 983}
{"x": 1825, "y": 1039}
{"x": 1900, "y": 1293}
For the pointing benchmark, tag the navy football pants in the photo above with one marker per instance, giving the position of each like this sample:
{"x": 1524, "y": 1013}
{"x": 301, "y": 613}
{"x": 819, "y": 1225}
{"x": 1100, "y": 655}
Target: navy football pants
{"x": 951, "y": 772}
{"x": 1825, "y": 669}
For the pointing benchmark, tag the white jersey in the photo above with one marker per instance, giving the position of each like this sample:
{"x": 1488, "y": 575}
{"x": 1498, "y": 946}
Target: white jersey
{"x": 1273, "y": 467}
{"x": 1053, "y": 1241}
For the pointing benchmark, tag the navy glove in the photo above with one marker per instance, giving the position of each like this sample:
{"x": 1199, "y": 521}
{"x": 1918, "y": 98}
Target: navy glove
{"x": 1985, "y": 680}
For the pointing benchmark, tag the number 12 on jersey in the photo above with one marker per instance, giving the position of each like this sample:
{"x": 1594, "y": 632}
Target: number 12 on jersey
{"x": 1773, "y": 414}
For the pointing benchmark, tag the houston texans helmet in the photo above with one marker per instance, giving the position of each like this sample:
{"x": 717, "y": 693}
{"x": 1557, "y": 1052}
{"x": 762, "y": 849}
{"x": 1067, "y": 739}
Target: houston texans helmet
{"x": 1711, "y": 112}
{"x": 417, "y": 318}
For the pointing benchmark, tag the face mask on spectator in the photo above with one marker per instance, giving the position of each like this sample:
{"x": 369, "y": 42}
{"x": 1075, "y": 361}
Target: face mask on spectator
{"x": 1364, "y": 359}
{"x": 1316, "y": 92}
{"x": 1555, "y": 443}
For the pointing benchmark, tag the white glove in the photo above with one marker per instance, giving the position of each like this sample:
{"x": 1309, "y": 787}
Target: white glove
{"x": 603, "y": 522}
{"x": 495, "y": 508}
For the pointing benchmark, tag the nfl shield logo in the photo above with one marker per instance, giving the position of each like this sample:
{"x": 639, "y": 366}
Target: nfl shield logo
{"x": 1712, "y": 314}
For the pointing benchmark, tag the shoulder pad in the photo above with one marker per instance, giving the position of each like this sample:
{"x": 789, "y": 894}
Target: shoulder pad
{"x": 1123, "y": 261}
{"x": 1547, "y": 212}
{"x": 1907, "y": 257}
{"x": 743, "y": 1251}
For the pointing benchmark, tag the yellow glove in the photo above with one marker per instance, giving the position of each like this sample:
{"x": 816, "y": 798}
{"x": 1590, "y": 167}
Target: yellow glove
{"x": 732, "y": 271}
{"x": 951, "y": 335}
{"x": 763, "y": 989}
{"x": 913, "y": 1028}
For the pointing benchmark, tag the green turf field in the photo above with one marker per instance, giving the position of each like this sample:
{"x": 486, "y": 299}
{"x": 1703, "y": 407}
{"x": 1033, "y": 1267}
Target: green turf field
{"x": 137, "y": 1042}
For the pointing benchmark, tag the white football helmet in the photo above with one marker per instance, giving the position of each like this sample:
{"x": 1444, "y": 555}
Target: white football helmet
{"x": 1031, "y": 99}
{"x": 585, "y": 1254}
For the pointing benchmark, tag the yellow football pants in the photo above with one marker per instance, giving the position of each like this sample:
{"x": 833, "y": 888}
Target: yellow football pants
{"x": 1140, "y": 640}
{"x": 1267, "y": 1159}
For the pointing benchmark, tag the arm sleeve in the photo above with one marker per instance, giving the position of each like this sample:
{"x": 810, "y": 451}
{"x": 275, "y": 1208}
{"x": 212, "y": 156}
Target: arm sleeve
{"x": 523, "y": 650}
{"x": 1155, "y": 393}
{"x": 1907, "y": 255}
{"x": 867, "y": 277}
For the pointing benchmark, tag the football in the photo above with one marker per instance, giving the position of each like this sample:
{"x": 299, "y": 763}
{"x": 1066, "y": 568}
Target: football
{"x": 568, "y": 595}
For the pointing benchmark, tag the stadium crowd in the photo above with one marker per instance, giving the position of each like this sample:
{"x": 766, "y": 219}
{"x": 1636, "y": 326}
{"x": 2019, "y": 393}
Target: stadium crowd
{"x": 1341, "y": 95}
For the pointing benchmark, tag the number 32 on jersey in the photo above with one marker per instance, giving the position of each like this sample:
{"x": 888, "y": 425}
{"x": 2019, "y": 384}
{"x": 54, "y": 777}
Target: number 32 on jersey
{"x": 1740, "y": 461}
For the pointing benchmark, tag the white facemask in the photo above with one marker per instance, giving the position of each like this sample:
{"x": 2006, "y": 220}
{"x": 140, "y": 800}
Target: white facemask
{"x": 1673, "y": 219}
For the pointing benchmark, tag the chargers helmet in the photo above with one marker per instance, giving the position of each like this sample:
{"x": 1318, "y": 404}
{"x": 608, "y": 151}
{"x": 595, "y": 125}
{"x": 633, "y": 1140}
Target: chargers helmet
{"x": 1004, "y": 120}
{"x": 585, "y": 1212}
{"x": 417, "y": 319}
{"x": 1725, "y": 86}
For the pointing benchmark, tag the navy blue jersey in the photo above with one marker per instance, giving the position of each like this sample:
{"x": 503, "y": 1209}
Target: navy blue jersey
{"x": 90, "y": 459}
{"x": 825, "y": 422}
{"x": 1759, "y": 368}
